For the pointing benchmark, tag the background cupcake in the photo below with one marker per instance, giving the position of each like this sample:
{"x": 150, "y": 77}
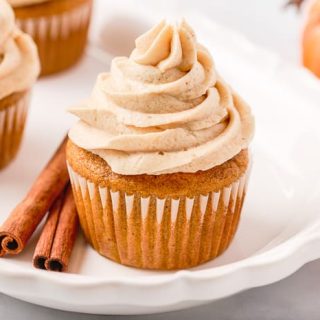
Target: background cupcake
{"x": 159, "y": 161}
{"x": 19, "y": 69}
{"x": 59, "y": 28}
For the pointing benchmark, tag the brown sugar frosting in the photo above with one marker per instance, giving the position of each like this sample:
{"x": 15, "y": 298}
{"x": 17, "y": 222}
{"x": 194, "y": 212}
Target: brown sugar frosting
{"x": 164, "y": 109}
{"x": 19, "y": 62}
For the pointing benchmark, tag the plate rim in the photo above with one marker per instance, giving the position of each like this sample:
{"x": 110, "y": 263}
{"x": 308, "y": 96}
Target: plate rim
{"x": 269, "y": 259}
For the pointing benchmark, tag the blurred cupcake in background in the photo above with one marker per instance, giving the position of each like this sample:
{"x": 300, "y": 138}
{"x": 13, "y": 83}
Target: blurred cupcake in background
{"x": 19, "y": 69}
{"x": 159, "y": 162}
{"x": 59, "y": 28}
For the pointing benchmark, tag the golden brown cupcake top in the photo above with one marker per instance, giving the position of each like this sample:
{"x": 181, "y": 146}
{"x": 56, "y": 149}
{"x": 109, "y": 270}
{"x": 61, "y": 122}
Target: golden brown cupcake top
{"x": 164, "y": 109}
{"x": 96, "y": 170}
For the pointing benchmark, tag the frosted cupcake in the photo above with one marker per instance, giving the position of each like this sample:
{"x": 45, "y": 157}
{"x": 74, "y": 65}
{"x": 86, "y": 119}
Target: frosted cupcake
{"x": 159, "y": 162}
{"x": 59, "y": 28}
{"x": 19, "y": 69}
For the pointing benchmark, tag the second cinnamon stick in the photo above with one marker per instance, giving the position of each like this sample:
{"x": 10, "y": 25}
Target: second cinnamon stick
{"x": 57, "y": 239}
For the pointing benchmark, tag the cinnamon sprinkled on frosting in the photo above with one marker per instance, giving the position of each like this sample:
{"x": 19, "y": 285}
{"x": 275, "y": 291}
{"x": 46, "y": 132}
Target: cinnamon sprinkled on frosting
{"x": 164, "y": 109}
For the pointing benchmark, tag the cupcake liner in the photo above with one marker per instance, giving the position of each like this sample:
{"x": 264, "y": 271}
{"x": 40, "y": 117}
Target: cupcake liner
{"x": 12, "y": 123}
{"x": 61, "y": 38}
{"x": 155, "y": 233}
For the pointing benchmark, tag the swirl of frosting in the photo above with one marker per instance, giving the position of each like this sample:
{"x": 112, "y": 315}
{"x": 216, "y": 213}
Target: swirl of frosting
{"x": 19, "y": 62}
{"x": 21, "y": 3}
{"x": 164, "y": 109}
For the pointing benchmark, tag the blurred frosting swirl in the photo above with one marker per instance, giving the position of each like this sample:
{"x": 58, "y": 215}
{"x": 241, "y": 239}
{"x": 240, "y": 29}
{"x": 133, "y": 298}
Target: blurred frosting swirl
{"x": 164, "y": 109}
{"x": 21, "y": 3}
{"x": 19, "y": 62}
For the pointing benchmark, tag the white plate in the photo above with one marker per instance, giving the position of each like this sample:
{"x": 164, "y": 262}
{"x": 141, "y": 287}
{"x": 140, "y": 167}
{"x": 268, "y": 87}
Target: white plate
{"x": 280, "y": 228}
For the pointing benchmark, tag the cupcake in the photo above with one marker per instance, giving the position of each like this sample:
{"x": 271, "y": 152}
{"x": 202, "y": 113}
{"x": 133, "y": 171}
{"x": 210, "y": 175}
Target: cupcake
{"x": 159, "y": 160}
{"x": 59, "y": 28}
{"x": 19, "y": 69}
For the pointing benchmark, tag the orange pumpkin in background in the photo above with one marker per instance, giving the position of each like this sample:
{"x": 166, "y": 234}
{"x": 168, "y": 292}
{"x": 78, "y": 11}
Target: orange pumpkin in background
{"x": 311, "y": 35}
{"x": 311, "y": 39}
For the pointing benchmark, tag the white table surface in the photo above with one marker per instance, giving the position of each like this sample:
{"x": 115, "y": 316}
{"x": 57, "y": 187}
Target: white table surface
{"x": 267, "y": 24}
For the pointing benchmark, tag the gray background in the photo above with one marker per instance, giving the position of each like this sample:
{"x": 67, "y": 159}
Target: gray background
{"x": 296, "y": 297}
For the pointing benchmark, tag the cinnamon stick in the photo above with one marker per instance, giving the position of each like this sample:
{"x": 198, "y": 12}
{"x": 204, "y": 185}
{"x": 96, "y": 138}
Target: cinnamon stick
{"x": 24, "y": 219}
{"x": 57, "y": 239}
{"x": 44, "y": 245}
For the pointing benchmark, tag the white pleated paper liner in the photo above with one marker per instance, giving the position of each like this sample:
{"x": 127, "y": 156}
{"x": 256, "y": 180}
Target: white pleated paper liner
{"x": 12, "y": 123}
{"x": 154, "y": 233}
{"x": 61, "y": 38}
